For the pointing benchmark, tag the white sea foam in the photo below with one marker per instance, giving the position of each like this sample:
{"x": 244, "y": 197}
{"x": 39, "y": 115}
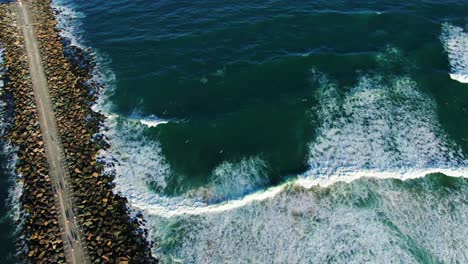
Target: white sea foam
{"x": 69, "y": 21}
{"x": 174, "y": 207}
{"x": 149, "y": 121}
{"x": 381, "y": 127}
{"x": 235, "y": 179}
{"x": 152, "y": 122}
{"x": 455, "y": 41}
{"x": 355, "y": 141}
{"x": 376, "y": 131}
{"x": 136, "y": 160}
{"x": 2, "y": 83}
{"x": 2, "y": 50}
{"x": 366, "y": 221}
{"x": 16, "y": 188}
{"x": 281, "y": 225}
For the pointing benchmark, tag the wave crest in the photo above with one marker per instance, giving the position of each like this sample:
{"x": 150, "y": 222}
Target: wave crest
{"x": 378, "y": 126}
{"x": 455, "y": 41}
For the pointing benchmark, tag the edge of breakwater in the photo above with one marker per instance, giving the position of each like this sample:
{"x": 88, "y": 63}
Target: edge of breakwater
{"x": 112, "y": 235}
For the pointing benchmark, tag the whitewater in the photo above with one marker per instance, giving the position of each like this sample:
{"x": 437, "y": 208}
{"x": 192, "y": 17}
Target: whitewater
{"x": 346, "y": 149}
{"x": 455, "y": 40}
{"x": 349, "y": 206}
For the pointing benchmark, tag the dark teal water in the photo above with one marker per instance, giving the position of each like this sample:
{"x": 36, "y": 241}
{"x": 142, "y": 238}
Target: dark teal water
{"x": 8, "y": 193}
{"x": 257, "y": 101}
{"x": 8, "y": 226}
{"x": 235, "y": 75}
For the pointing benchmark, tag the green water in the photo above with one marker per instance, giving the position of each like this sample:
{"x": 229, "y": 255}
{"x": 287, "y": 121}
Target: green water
{"x": 258, "y": 101}
{"x": 236, "y": 82}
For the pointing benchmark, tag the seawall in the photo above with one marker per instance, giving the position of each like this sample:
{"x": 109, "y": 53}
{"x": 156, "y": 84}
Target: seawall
{"x": 41, "y": 241}
{"x": 111, "y": 235}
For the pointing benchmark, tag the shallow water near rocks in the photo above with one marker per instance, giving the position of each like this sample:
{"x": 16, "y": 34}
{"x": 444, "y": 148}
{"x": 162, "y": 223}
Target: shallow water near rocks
{"x": 9, "y": 189}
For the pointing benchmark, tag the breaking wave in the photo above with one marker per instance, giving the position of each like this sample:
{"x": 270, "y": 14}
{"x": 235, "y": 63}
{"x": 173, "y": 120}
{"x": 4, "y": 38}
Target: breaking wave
{"x": 351, "y": 205}
{"x": 368, "y": 220}
{"x": 149, "y": 121}
{"x": 377, "y": 129}
{"x": 237, "y": 179}
{"x": 69, "y": 21}
{"x": 136, "y": 160}
{"x": 378, "y": 126}
{"x": 455, "y": 41}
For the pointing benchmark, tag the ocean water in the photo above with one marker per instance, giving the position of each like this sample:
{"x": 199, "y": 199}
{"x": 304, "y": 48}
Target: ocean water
{"x": 10, "y": 190}
{"x": 272, "y": 131}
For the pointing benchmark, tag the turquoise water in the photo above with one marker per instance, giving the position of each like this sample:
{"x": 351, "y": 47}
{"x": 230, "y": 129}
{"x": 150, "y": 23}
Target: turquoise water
{"x": 223, "y": 116}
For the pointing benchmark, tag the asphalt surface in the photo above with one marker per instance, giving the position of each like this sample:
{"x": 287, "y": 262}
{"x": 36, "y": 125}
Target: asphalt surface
{"x": 72, "y": 235}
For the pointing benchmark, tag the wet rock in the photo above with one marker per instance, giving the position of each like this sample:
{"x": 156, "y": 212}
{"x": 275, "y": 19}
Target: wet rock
{"x": 112, "y": 236}
{"x": 37, "y": 200}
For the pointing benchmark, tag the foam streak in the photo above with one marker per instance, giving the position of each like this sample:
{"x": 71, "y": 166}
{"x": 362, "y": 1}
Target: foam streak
{"x": 455, "y": 41}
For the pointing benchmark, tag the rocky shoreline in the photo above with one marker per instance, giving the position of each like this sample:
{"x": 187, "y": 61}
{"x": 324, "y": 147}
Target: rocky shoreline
{"x": 111, "y": 235}
{"x": 40, "y": 232}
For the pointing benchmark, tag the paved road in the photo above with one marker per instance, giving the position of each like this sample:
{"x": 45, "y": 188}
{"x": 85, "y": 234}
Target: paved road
{"x": 72, "y": 236}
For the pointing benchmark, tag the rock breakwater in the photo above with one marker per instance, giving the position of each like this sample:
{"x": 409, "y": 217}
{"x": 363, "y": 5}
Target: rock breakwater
{"x": 41, "y": 240}
{"x": 111, "y": 235}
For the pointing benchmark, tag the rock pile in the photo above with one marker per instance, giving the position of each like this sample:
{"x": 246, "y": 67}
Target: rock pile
{"x": 41, "y": 233}
{"x": 112, "y": 237}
